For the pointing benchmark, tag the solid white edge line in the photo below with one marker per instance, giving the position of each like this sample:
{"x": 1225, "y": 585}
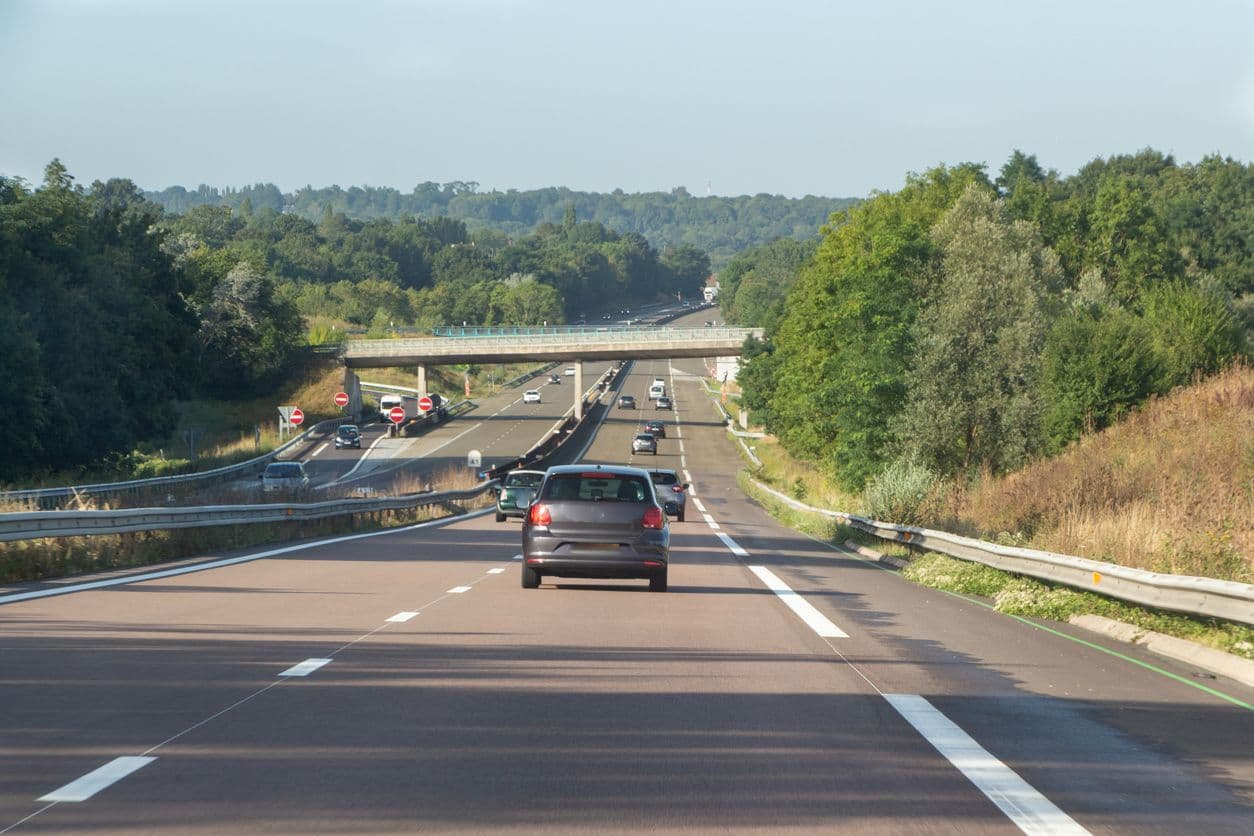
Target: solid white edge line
{"x": 710, "y": 522}
{"x": 306, "y": 667}
{"x": 1020, "y": 801}
{"x": 814, "y": 619}
{"x": 319, "y": 450}
{"x": 231, "y": 561}
{"x": 697, "y": 503}
{"x": 497, "y": 571}
{"x": 356, "y": 465}
{"x": 93, "y": 782}
{"x": 402, "y": 617}
{"x": 731, "y": 544}
{"x": 458, "y": 590}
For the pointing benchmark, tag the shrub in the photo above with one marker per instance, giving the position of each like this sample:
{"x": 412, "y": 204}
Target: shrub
{"x": 904, "y": 492}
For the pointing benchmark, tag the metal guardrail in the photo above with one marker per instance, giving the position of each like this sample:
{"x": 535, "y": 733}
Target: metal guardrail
{"x": 49, "y": 496}
{"x": 1205, "y": 597}
{"x": 33, "y": 525}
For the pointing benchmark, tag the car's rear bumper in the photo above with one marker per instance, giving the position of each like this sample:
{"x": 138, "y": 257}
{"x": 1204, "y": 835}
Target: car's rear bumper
{"x": 640, "y": 559}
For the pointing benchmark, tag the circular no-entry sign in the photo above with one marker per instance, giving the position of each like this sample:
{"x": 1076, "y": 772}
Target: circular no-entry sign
{"x": 297, "y": 417}
{"x": 424, "y": 403}
{"x": 341, "y": 399}
{"x": 396, "y": 414}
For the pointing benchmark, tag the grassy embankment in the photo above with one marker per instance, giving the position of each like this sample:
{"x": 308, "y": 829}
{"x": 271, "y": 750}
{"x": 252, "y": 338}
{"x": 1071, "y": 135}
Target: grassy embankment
{"x": 1170, "y": 489}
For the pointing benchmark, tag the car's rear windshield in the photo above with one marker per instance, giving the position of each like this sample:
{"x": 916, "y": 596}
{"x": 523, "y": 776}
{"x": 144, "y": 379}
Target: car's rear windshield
{"x": 665, "y": 479}
{"x": 595, "y": 487}
{"x": 524, "y": 480}
{"x": 283, "y": 471}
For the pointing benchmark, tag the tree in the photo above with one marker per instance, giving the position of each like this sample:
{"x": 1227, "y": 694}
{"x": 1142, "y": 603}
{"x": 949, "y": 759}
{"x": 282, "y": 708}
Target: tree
{"x": 248, "y": 335}
{"x": 972, "y": 392}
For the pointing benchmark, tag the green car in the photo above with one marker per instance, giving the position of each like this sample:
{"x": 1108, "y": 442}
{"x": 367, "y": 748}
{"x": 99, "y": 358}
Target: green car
{"x": 517, "y": 491}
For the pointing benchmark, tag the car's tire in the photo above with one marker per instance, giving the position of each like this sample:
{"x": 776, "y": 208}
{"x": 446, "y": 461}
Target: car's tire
{"x": 500, "y": 517}
{"x": 680, "y": 518}
{"x": 657, "y": 583}
{"x": 531, "y": 578}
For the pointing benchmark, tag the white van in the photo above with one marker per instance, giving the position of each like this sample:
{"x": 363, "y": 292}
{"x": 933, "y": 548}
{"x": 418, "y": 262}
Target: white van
{"x": 657, "y": 390}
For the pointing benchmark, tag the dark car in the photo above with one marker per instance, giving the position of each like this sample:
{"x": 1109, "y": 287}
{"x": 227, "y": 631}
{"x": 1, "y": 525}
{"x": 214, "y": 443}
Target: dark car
{"x": 347, "y": 435}
{"x": 517, "y": 491}
{"x": 672, "y": 493}
{"x": 596, "y": 522}
{"x": 555, "y": 378}
{"x": 664, "y": 403}
{"x": 655, "y": 428}
{"x": 627, "y": 402}
{"x": 644, "y": 443}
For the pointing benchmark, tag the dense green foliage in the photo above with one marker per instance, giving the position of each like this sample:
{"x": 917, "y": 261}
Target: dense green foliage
{"x": 719, "y": 226}
{"x": 111, "y": 310}
{"x": 965, "y": 324}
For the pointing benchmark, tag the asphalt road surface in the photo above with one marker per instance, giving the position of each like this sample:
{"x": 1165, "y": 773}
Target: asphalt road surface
{"x": 406, "y": 682}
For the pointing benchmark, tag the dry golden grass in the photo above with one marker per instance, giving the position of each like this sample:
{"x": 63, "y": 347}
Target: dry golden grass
{"x": 1170, "y": 489}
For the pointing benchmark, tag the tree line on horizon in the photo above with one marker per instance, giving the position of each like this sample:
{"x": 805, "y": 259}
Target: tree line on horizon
{"x": 720, "y": 226}
{"x": 967, "y": 324}
{"x": 111, "y": 309}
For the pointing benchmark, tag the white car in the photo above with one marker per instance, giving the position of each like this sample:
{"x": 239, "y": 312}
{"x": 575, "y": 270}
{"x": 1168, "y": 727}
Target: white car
{"x": 570, "y": 371}
{"x": 531, "y": 396}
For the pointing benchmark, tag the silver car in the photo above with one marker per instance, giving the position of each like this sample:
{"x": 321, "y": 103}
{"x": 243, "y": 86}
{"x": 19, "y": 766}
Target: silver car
{"x": 601, "y": 521}
{"x": 644, "y": 443}
{"x": 284, "y": 476}
{"x": 672, "y": 493}
{"x": 517, "y": 491}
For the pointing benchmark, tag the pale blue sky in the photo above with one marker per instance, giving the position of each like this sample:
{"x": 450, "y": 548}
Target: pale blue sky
{"x": 828, "y": 98}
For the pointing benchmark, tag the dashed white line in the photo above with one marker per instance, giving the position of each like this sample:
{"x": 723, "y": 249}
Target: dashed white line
{"x": 306, "y": 667}
{"x": 518, "y": 557}
{"x": 319, "y": 450}
{"x": 683, "y": 460}
{"x": 93, "y": 782}
{"x": 732, "y": 545}
{"x": 1019, "y": 800}
{"x": 402, "y": 617}
{"x": 687, "y": 475}
{"x": 497, "y": 571}
{"x": 697, "y": 503}
{"x": 710, "y": 522}
{"x": 458, "y": 590}
{"x": 814, "y": 619}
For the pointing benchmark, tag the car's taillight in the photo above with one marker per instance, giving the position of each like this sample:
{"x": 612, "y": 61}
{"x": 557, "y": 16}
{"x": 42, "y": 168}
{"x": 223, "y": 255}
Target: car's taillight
{"x": 654, "y": 518}
{"x": 540, "y": 515}
{"x": 677, "y": 488}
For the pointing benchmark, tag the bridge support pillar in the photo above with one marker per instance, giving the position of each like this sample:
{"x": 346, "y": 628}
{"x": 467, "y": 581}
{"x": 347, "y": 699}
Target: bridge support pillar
{"x": 578, "y": 390}
{"x": 352, "y": 388}
{"x": 422, "y": 379}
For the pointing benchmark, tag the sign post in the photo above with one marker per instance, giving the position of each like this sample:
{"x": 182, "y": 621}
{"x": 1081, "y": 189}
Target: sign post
{"x": 285, "y": 420}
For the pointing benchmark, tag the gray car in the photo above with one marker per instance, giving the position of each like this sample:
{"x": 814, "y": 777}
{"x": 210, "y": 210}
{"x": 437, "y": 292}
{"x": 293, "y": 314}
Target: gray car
{"x": 284, "y": 476}
{"x": 517, "y": 491}
{"x": 672, "y": 493}
{"x": 644, "y": 443}
{"x": 601, "y": 521}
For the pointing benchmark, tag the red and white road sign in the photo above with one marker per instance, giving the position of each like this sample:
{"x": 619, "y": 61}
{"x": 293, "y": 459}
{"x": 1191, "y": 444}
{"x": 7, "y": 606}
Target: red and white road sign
{"x": 424, "y": 403}
{"x": 341, "y": 399}
{"x": 296, "y": 418}
{"x": 396, "y": 414}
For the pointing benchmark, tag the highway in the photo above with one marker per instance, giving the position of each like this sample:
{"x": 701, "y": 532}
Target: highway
{"x": 406, "y": 682}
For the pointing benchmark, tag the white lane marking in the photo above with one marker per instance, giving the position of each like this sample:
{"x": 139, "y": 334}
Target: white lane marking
{"x": 687, "y": 475}
{"x": 306, "y": 667}
{"x": 735, "y": 547}
{"x": 93, "y": 782}
{"x": 697, "y": 503}
{"x": 497, "y": 571}
{"x": 816, "y": 621}
{"x": 710, "y": 522}
{"x": 518, "y": 557}
{"x": 1019, "y": 800}
{"x": 319, "y": 450}
{"x": 683, "y": 460}
{"x": 433, "y": 450}
{"x": 357, "y": 465}
{"x": 230, "y": 561}
{"x": 402, "y": 617}
{"x": 458, "y": 590}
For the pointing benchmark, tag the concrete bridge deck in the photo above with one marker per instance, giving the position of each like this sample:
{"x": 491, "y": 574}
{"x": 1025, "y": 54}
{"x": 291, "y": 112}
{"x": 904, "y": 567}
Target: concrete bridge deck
{"x": 549, "y": 345}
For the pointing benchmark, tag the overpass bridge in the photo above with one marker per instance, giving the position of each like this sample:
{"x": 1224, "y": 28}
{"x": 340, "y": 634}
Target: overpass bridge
{"x": 481, "y": 344}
